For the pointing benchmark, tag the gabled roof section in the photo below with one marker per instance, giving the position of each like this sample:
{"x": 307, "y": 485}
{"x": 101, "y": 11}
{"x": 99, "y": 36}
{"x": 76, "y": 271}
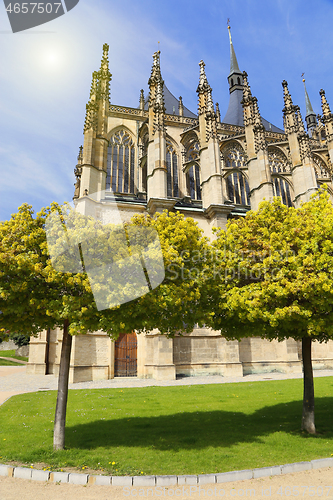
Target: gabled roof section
{"x": 234, "y": 114}
{"x": 172, "y": 104}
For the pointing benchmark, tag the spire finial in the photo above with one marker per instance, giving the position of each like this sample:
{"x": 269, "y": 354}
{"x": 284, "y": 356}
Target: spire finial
{"x": 234, "y": 68}
{"x": 308, "y": 106}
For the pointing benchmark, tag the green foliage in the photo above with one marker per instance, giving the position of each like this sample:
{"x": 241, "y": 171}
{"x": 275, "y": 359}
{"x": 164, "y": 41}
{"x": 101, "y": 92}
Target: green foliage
{"x": 190, "y": 429}
{"x": 36, "y": 295}
{"x": 19, "y": 339}
{"x": 174, "y": 305}
{"x": 273, "y": 275}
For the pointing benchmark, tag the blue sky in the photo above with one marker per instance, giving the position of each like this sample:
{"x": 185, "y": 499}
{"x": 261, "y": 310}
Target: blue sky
{"x": 46, "y": 73}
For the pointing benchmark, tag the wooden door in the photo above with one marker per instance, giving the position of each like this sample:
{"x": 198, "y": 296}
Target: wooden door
{"x": 125, "y": 362}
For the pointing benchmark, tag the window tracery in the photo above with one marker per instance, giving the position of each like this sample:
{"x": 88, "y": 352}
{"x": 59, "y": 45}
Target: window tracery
{"x": 281, "y": 188}
{"x": 192, "y": 152}
{"x": 234, "y": 156}
{"x": 321, "y": 168}
{"x": 193, "y": 182}
{"x": 278, "y": 161}
{"x": 238, "y": 188}
{"x": 172, "y": 171}
{"x": 120, "y": 163}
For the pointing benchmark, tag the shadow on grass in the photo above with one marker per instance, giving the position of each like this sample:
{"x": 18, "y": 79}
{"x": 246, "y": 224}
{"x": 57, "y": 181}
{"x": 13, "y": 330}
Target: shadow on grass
{"x": 199, "y": 430}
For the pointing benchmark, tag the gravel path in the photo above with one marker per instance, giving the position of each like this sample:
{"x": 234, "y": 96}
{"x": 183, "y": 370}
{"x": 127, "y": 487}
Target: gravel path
{"x": 13, "y": 379}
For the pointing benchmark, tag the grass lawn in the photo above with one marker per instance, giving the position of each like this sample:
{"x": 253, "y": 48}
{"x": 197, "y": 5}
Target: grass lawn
{"x": 7, "y": 362}
{"x": 170, "y": 430}
{"x": 10, "y": 354}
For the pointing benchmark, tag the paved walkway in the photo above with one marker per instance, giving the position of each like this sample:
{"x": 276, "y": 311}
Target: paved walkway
{"x": 14, "y": 380}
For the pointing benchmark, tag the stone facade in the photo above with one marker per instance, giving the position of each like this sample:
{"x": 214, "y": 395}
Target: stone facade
{"x": 161, "y": 155}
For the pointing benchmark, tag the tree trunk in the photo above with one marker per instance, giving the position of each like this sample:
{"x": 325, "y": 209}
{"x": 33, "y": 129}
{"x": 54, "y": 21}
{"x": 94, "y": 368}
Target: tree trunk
{"x": 60, "y": 413}
{"x": 308, "y": 420}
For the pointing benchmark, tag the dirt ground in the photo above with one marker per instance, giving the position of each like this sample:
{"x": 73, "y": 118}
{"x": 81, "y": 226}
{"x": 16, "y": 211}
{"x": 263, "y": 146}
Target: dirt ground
{"x": 314, "y": 484}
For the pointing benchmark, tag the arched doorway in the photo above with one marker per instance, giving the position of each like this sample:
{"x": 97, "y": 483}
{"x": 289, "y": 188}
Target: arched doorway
{"x": 125, "y": 356}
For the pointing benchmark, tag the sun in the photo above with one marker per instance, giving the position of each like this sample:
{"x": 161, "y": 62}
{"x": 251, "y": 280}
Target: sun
{"x": 52, "y": 59}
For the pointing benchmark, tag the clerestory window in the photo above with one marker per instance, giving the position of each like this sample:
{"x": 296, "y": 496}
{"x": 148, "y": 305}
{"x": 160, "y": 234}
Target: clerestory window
{"x": 172, "y": 172}
{"x": 120, "y": 163}
{"x": 238, "y": 189}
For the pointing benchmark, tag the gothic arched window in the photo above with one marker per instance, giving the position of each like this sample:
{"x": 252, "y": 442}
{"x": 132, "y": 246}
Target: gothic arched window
{"x": 278, "y": 161}
{"x": 234, "y": 156}
{"x": 120, "y": 163}
{"x": 238, "y": 189}
{"x": 281, "y": 188}
{"x": 321, "y": 168}
{"x": 193, "y": 182}
{"x": 172, "y": 171}
{"x": 192, "y": 152}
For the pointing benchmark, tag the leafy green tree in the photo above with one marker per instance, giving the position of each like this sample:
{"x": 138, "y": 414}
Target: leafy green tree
{"x": 38, "y": 292}
{"x": 19, "y": 339}
{"x": 272, "y": 277}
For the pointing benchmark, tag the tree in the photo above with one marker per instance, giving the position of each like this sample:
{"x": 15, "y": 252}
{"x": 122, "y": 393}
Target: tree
{"x": 19, "y": 339}
{"x": 38, "y": 292}
{"x": 34, "y": 297}
{"x": 272, "y": 277}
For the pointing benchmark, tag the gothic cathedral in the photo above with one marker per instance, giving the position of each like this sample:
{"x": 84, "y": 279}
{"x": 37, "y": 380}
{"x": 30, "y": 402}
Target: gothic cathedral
{"x": 160, "y": 156}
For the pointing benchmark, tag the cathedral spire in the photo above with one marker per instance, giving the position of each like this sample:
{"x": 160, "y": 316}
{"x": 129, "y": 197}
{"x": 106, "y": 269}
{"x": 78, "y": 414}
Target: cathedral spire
{"x": 235, "y": 77}
{"x": 310, "y": 117}
{"x": 233, "y": 59}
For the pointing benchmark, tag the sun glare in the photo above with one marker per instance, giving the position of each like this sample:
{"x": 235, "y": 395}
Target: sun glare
{"x": 52, "y": 59}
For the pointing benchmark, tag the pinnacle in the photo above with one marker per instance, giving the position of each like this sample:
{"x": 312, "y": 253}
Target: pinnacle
{"x": 325, "y": 106}
{"x": 286, "y": 96}
{"x": 203, "y": 82}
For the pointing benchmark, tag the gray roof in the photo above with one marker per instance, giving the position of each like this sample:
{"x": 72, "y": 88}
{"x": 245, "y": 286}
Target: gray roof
{"x": 234, "y": 114}
{"x": 171, "y": 104}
